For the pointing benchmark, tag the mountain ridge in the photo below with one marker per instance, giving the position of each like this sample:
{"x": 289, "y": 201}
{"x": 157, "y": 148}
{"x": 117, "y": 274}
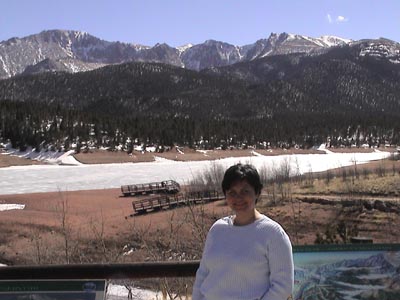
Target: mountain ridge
{"x": 16, "y": 54}
{"x": 343, "y": 95}
{"x": 339, "y": 79}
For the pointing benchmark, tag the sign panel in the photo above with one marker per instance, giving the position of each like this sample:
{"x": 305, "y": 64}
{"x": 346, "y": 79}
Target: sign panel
{"x": 347, "y": 272}
{"x": 52, "y": 289}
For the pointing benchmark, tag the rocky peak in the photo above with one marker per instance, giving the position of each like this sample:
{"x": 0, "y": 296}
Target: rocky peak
{"x": 209, "y": 54}
{"x": 330, "y": 40}
{"x": 379, "y": 48}
{"x": 46, "y": 65}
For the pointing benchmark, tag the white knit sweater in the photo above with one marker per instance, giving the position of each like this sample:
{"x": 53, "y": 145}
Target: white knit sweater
{"x": 245, "y": 262}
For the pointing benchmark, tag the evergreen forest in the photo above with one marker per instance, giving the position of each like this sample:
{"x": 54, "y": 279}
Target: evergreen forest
{"x": 284, "y": 101}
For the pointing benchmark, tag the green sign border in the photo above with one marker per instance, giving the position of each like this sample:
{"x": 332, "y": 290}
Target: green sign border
{"x": 346, "y": 247}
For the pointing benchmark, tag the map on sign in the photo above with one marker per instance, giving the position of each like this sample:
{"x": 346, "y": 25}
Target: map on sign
{"x": 52, "y": 289}
{"x": 369, "y": 273}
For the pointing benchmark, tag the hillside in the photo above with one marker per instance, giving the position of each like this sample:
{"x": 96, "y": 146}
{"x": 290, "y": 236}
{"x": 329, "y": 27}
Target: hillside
{"x": 345, "y": 95}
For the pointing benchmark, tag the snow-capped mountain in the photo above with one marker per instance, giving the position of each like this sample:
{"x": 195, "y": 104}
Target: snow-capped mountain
{"x": 285, "y": 43}
{"x": 210, "y": 54}
{"x": 380, "y": 48}
{"x": 184, "y": 47}
{"x": 160, "y": 53}
{"x": 76, "y": 51}
{"x": 84, "y": 50}
{"x": 330, "y": 40}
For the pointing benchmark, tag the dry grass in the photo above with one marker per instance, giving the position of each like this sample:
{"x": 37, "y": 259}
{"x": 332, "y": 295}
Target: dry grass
{"x": 187, "y": 154}
{"x": 379, "y": 178}
{"x": 98, "y": 227}
{"x": 106, "y": 157}
{"x": 95, "y": 224}
{"x": 177, "y": 154}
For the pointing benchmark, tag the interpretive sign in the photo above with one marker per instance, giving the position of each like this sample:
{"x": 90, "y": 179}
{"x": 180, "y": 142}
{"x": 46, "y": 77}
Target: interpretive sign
{"x": 52, "y": 289}
{"x": 347, "y": 272}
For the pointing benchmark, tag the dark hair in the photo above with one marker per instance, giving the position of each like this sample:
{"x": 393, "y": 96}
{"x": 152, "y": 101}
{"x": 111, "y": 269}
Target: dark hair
{"x": 241, "y": 172}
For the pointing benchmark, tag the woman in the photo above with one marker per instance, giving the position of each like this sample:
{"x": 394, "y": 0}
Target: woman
{"x": 247, "y": 255}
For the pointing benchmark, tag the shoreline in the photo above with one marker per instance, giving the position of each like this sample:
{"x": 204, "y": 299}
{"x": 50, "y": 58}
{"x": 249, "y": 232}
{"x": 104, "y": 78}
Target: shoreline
{"x": 373, "y": 164}
{"x": 94, "y": 157}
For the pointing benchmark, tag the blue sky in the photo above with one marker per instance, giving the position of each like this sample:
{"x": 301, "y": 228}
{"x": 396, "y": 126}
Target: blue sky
{"x": 178, "y": 22}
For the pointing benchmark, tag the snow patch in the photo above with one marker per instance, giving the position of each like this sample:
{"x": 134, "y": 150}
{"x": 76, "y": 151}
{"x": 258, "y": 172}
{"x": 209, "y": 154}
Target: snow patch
{"x": 68, "y": 159}
{"x": 5, "y": 67}
{"x": 312, "y": 40}
{"x": 4, "y": 207}
{"x": 266, "y": 53}
{"x": 256, "y": 153}
{"x": 51, "y": 157}
{"x": 122, "y": 291}
{"x": 322, "y": 147}
{"x": 161, "y": 159}
{"x": 183, "y": 48}
{"x": 331, "y": 40}
{"x": 142, "y": 148}
{"x": 291, "y": 37}
{"x": 203, "y": 151}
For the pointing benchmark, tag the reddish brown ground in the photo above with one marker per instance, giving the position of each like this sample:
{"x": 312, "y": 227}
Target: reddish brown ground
{"x": 91, "y": 209}
{"x": 85, "y": 210}
{"x": 7, "y": 160}
{"x": 181, "y": 154}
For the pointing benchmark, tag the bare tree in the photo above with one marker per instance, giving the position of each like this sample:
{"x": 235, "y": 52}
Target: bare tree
{"x": 66, "y": 229}
{"x": 36, "y": 239}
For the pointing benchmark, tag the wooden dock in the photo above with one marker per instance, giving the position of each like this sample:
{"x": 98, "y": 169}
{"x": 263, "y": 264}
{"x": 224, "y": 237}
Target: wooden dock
{"x": 162, "y": 202}
{"x": 167, "y": 186}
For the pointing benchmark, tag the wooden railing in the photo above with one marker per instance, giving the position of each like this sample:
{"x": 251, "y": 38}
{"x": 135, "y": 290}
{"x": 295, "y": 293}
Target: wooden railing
{"x": 167, "y": 186}
{"x": 152, "y": 269}
{"x": 156, "y": 203}
{"x": 309, "y": 279}
{"x": 101, "y": 271}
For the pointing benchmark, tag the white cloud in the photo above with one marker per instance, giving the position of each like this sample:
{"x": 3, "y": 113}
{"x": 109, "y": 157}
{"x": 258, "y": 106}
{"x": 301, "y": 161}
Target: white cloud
{"x": 341, "y": 19}
{"x": 338, "y": 19}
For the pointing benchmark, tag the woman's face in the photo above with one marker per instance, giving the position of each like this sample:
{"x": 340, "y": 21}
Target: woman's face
{"x": 241, "y": 197}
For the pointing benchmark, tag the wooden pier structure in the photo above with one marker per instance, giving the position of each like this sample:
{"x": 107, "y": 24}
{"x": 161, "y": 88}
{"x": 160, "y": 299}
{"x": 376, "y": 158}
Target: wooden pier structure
{"x": 166, "y": 186}
{"x": 162, "y": 202}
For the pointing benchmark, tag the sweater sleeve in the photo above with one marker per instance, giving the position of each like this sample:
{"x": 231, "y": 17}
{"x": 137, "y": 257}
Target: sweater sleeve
{"x": 202, "y": 271}
{"x": 200, "y": 275}
{"x": 280, "y": 259}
